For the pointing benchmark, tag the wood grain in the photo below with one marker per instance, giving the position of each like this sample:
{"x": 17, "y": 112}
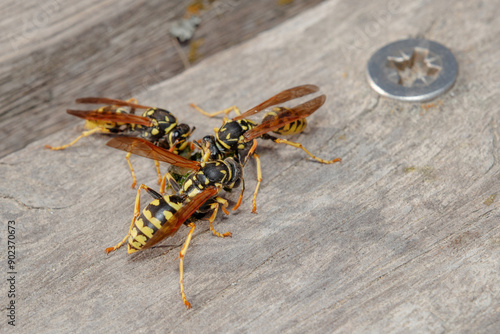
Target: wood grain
{"x": 402, "y": 236}
{"x": 54, "y": 52}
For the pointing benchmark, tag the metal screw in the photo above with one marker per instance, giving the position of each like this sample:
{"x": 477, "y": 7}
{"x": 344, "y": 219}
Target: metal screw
{"x": 412, "y": 70}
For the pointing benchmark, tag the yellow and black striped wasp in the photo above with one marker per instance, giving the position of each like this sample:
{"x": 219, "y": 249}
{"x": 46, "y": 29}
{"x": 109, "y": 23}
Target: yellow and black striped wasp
{"x": 156, "y": 125}
{"x": 195, "y": 199}
{"x": 240, "y": 133}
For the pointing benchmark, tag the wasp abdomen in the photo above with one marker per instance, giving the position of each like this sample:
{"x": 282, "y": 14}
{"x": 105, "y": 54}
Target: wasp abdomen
{"x": 157, "y": 215}
{"x": 288, "y": 129}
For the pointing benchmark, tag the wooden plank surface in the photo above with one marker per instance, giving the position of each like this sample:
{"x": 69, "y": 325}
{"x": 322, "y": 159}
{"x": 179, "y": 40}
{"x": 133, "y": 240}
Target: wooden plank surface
{"x": 402, "y": 236}
{"x": 55, "y": 51}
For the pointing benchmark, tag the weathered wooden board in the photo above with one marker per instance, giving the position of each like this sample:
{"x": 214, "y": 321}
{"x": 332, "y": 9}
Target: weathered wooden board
{"x": 55, "y": 51}
{"x": 402, "y": 236}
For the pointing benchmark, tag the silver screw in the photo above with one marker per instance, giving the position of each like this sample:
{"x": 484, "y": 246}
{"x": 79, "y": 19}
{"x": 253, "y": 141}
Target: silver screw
{"x": 412, "y": 70}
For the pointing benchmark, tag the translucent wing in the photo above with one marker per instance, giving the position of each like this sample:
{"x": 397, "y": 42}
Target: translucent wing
{"x": 144, "y": 148}
{"x": 284, "y": 117}
{"x": 110, "y": 116}
{"x": 114, "y": 102}
{"x": 282, "y": 97}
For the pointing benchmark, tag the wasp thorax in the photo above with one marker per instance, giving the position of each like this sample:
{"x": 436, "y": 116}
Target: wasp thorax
{"x": 162, "y": 123}
{"x": 230, "y": 135}
{"x": 223, "y": 172}
{"x": 216, "y": 172}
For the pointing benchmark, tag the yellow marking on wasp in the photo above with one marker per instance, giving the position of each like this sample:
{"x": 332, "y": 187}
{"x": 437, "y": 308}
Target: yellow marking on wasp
{"x": 176, "y": 206}
{"x": 90, "y": 125}
{"x": 155, "y": 131}
{"x": 150, "y": 112}
{"x": 141, "y": 239}
{"x": 167, "y": 215}
{"x": 133, "y": 233}
{"x": 155, "y": 202}
{"x": 188, "y": 184}
{"x": 148, "y": 231}
{"x": 151, "y": 219}
{"x": 288, "y": 129}
{"x": 131, "y": 250}
{"x": 134, "y": 243}
{"x": 172, "y": 125}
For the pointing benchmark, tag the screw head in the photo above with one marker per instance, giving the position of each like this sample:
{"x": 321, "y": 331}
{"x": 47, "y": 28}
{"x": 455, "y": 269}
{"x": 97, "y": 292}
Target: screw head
{"x": 412, "y": 70}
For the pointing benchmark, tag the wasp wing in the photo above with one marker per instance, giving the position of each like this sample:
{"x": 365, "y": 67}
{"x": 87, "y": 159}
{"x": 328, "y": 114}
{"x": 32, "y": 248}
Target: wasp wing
{"x": 284, "y": 117}
{"x": 144, "y": 148}
{"x": 114, "y": 102}
{"x": 279, "y": 98}
{"x": 110, "y": 116}
{"x": 187, "y": 210}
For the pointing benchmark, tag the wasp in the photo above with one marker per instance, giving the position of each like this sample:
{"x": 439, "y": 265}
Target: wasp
{"x": 194, "y": 199}
{"x": 156, "y": 125}
{"x": 239, "y": 133}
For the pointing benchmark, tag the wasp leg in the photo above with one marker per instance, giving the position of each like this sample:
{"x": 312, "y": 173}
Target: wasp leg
{"x": 134, "y": 180}
{"x": 171, "y": 181}
{"x": 224, "y": 111}
{"x": 215, "y": 207}
{"x": 298, "y": 145}
{"x": 250, "y": 152}
{"x": 137, "y": 212}
{"x": 84, "y": 134}
{"x": 206, "y": 152}
{"x": 237, "y": 205}
{"x": 259, "y": 180}
{"x": 157, "y": 164}
{"x": 181, "y": 264}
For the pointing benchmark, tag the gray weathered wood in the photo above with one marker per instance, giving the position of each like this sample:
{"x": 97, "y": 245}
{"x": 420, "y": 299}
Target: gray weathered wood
{"x": 402, "y": 236}
{"x": 55, "y": 51}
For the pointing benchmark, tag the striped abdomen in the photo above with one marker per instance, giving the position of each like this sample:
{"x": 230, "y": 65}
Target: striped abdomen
{"x": 112, "y": 127}
{"x": 155, "y": 223}
{"x": 288, "y": 129}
